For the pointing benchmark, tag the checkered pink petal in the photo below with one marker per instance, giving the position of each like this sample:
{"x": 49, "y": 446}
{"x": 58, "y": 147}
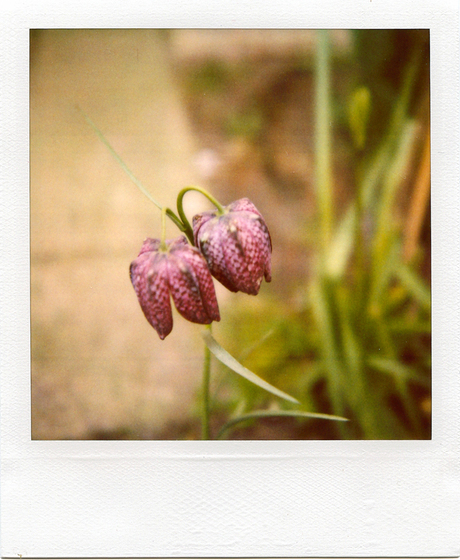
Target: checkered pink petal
{"x": 236, "y": 245}
{"x": 191, "y": 285}
{"x": 181, "y": 272}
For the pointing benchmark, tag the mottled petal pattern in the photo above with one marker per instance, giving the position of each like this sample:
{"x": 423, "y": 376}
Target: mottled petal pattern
{"x": 149, "y": 277}
{"x": 236, "y": 245}
{"x": 191, "y": 285}
{"x": 243, "y": 205}
{"x": 179, "y": 271}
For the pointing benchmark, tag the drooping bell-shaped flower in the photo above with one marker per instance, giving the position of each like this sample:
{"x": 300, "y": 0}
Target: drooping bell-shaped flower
{"x": 236, "y": 245}
{"x": 179, "y": 271}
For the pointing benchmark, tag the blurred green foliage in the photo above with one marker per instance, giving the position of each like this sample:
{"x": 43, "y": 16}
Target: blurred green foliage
{"x": 359, "y": 343}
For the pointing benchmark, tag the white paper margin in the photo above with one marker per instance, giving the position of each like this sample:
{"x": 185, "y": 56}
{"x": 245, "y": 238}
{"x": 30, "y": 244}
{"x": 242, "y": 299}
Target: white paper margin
{"x": 231, "y": 499}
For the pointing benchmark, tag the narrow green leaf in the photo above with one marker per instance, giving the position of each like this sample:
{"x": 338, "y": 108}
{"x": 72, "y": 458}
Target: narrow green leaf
{"x": 341, "y": 246}
{"x": 358, "y": 115}
{"x": 123, "y": 165}
{"x": 227, "y": 359}
{"x": 275, "y": 414}
{"x": 415, "y": 285}
{"x": 320, "y": 298}
{"x": 384, "y": 266}
{"x": 400, "y": 372}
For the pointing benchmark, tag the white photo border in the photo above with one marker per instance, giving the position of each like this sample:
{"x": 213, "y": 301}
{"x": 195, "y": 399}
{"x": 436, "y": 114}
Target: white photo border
{"x": 230, "y": 499}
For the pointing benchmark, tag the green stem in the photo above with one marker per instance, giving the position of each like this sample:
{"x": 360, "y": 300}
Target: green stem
{"x": 175, "y": 219}
{"x": 180, "y": 208}
{"x": 163, "y": 229}
{"x": 323, "y": 138}
{"x": 361, "y": 254}
{"x": 205, "y": 432}
{"x": 130, "y": 174}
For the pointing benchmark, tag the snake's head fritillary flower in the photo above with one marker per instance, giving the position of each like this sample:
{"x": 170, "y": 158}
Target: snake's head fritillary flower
{"x": 236, "y": 245}
{"x": 179, "y": 271}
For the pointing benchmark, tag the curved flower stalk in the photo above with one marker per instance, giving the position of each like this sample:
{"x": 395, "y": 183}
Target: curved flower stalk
{"x": 236, "y": 244}
{"x": 177, "y": 270}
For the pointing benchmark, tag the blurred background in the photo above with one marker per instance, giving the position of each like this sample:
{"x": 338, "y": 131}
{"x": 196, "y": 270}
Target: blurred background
{"x": 327, "y": 132}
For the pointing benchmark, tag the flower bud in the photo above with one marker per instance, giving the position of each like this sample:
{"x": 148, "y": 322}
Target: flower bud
{"x": 236, "y": 245}
{"x": 179, "y": 271}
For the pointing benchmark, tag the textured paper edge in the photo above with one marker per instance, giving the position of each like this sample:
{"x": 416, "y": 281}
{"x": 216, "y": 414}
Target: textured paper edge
{"x": 116, "y": 479}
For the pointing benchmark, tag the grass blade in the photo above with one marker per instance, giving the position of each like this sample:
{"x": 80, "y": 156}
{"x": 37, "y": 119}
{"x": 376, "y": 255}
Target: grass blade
{"x": 401, "y": 373}
{"x": 277, "y": 414}
{"x": 227, "y": 359}
{"x": 415, "y": 285}
{"x": 123, "y": 165}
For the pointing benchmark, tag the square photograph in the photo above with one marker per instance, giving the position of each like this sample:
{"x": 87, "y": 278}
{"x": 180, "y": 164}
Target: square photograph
{"x": 230, "y": 234}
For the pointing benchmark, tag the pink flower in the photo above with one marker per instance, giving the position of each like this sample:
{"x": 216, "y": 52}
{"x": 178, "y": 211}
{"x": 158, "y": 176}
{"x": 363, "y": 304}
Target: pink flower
{"x": 179, "y": 271}
{"x": 236, "y": 245}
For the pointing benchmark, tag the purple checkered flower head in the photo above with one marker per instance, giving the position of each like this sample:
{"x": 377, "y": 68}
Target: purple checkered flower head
{"x": 236, "y": 245}
{"x": 179, "y": 271}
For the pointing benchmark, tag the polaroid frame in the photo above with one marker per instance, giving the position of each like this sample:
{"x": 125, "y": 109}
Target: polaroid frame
{"x": 231, "y": 499}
